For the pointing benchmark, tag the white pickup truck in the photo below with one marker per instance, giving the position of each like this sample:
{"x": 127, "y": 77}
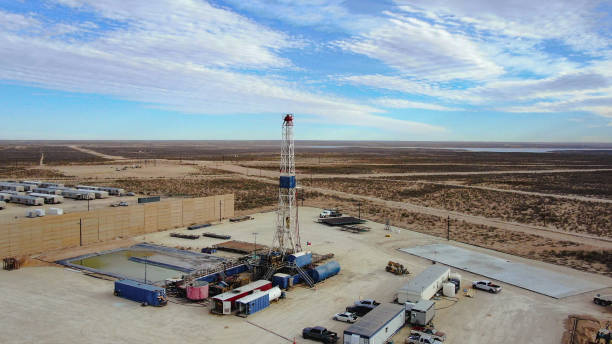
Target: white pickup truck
{"x": 487, "y": 286}
{"x": 421, "y": 339}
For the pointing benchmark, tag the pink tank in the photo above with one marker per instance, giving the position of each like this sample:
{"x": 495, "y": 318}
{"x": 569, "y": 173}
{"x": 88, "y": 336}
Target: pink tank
{"x": 197, "y": 293}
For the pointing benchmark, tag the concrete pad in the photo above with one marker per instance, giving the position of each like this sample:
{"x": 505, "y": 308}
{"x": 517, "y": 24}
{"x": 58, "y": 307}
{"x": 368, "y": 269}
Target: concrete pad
{"x": 542, "y": 281}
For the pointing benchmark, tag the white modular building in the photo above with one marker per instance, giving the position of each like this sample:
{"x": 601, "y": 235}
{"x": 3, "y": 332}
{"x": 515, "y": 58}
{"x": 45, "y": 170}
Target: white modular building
{"x": 377, "y": 326}
{"x": 425, "y": 285}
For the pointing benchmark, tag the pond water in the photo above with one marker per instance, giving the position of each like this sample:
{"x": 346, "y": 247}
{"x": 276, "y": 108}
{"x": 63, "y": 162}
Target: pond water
{"x": 118, "y": 263}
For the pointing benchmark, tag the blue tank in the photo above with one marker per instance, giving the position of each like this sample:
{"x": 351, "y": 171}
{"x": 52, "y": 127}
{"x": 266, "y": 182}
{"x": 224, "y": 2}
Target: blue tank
{"x": 324, "y": 271}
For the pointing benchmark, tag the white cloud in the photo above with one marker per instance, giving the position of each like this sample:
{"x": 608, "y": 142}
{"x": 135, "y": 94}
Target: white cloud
{"x": 576, "y": 22}
{"x": 408, "y": 104}
{"x": 179, "y": 55}
{"x": 422, "y": 50}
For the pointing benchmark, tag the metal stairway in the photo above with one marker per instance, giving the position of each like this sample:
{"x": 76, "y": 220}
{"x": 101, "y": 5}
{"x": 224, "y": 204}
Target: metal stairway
{"x": 304, "y": 275}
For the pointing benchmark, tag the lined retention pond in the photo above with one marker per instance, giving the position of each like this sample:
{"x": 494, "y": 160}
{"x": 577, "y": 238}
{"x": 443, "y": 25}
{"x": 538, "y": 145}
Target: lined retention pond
{"x": 157, "y": 263}
{"x": 118, "y": 263}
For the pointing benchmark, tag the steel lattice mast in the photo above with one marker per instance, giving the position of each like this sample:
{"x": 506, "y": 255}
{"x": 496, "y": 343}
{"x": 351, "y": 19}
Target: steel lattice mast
{"x": 287, "y": 235}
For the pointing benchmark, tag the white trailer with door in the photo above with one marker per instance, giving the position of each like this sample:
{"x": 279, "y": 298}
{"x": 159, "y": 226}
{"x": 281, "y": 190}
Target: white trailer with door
{"x": 377, "y": 326}
{"x": 425, "y": 285}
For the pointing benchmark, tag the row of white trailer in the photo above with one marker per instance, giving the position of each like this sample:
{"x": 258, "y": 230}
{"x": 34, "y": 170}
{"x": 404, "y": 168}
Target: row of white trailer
{"x": 415, "y": 307}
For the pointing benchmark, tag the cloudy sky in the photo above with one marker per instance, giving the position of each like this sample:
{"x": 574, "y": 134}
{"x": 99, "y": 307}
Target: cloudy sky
{"x": 473, "y": 70}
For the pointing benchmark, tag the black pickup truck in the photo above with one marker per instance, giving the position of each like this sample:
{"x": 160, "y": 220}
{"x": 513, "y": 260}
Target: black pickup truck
{"x": 320, "y": 334}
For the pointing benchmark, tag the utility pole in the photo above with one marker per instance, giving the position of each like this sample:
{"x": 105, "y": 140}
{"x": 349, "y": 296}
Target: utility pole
{"x": 87, "y": 204}
{"x": 146, "y": 259}
{"x": 448, "y": 228}
{"x": 359, "y": 206}
{"x": 80, "y": 232}
{"x": 220, "y": 217}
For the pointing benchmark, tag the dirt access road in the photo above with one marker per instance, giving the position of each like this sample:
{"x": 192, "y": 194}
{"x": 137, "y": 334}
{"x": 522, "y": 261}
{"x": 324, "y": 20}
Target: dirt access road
{"x": 98, "y": 154}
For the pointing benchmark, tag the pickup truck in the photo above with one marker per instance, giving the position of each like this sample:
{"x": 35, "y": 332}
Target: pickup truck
{"x": 603, "y": 300}
{"x": 425, "y": 331}
{"x": 487, "y": 286}
{"x": 367, "y": 303}
{"x": 330, "y": 213}
{"x": 320, "y": 334}
{"x": 419, "y": 339}
{"x": 359, "y": 310}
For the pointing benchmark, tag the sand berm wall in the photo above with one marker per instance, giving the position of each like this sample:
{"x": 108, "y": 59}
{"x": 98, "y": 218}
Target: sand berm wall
{"x": 52, "y": 232}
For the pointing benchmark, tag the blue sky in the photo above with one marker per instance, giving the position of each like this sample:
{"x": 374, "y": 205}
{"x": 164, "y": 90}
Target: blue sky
{"x": 479, "y": 70}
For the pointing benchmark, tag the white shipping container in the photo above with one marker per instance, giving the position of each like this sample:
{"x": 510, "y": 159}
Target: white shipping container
{"x": 55, "y": 211}
{"x": 274, "y": 293}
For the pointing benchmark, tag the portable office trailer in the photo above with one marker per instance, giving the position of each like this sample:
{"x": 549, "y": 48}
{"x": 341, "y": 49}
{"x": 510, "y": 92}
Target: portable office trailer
{"x": 6, "y": 197}
{"x": 145, "y": 293}
{"x": 27, "y": 187}
{"x": 253, "y": 303}
{"x": 49, "y": 199}
{"x": 99, "y": 193}
{"x": 30, "y": 182}
{"x": 377, "y": 326}
{"x": 112, "y": 191}
{"x": 79, "y": 194}
{"x": 47, "y": 184}
{"x": 27, "y": 200}
{"x": 226, "y": 302}
{"x": 11, "y": 187}
{"x": 424, "y": 285}
{"x": 87, "y": 187}
{"x": 48, "y": 191}
{"x": 422, "y": 312}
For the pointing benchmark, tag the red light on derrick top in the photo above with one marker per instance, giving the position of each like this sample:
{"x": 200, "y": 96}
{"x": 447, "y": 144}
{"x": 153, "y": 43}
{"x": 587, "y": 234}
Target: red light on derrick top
{"x": 289, "y": 119}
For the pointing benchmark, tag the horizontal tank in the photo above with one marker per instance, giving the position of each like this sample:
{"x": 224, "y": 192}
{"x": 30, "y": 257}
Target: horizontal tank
{"x": 197, "y": 293}
{"x": 145, "y": 293}
{"x": 301, "y": 258}
{"x": 325, "y": 271}
{"x": 274, "y": 293}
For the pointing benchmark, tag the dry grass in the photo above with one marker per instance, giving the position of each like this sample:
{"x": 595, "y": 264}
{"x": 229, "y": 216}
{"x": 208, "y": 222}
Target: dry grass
{"x": 569, "y": 215}
{"x": 24, "y": 172}
{"x": 249, "y": 194}
{"x": 590, "y": 184}
{"x": 565, "y": 253}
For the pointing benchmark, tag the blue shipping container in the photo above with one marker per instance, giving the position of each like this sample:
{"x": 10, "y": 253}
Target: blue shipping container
{"x": 281, "y": 280}
{"x": 324, "y": 271}
{"x": 287, "y": 182}
{"x": 253, "y": 303}
{"x": 145, "y": 293}
{"x": 301, "y": 259}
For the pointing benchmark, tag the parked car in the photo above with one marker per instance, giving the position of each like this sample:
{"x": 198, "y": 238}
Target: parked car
{"x": 435, "y": 334}
{"x": 419, "y": 339}
{"x": 123, "y": 204}
{"x": 114, "y": 204}
{"x": 320, "y": 334}
{"x": 130, "y": 194}
{"x": 346, "y": 317}
{"x": 603, "y": 300}
{"x": 367, "y": 303}
{"x": 358, "y": 310}
{"x": 487, "y": 286}
{"x": 330, "y": 213}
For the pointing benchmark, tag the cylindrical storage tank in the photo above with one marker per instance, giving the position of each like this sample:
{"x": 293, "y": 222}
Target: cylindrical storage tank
{"x": 274, "y": 293}
{"x": 325, "y": 271}
{"x": 448, "y": 289}
{"x": 455, "y": 276}
{"x": 301, "y": 258}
